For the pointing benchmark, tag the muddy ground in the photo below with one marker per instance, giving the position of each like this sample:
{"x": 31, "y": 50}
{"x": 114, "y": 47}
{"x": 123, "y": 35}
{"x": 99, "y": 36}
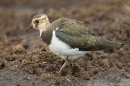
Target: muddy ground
{"x": 26, "y": 61}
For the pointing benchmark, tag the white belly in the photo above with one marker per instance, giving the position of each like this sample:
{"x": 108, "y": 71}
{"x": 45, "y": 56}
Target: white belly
{"x": 63, "y": 50}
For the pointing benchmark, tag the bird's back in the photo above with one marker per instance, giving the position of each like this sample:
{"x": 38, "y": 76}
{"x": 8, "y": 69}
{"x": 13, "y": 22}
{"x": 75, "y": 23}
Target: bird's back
{"x": 76, "y": 35}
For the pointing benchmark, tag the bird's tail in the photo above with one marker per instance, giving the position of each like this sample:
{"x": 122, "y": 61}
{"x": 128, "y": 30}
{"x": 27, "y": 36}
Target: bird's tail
{"x": 106, "y": 44}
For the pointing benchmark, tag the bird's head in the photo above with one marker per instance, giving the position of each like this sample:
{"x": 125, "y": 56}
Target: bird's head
{"x": 39, "y": 22}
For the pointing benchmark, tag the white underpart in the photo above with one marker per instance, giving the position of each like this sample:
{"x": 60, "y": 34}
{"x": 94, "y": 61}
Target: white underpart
{"x": 40, "y": 31}
{"x": 63, "y": 50}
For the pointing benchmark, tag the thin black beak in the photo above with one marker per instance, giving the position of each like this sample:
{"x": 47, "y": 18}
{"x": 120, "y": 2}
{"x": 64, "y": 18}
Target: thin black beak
{"x": 30, "y": 27}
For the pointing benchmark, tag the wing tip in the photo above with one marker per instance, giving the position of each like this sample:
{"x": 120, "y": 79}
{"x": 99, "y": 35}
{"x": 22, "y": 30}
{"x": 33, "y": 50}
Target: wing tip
{"x": 121, "y": 45}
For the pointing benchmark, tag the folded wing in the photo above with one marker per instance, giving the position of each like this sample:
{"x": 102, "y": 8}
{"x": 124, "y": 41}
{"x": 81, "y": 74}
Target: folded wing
{"x": 78, "y": 36}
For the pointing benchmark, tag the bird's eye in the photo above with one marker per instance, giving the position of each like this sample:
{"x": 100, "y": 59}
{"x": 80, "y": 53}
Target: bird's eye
{"x": 37, "y": 21}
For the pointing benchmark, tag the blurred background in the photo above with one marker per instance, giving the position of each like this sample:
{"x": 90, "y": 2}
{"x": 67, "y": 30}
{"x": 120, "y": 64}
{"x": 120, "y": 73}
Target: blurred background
{"x": 23, "y": 51}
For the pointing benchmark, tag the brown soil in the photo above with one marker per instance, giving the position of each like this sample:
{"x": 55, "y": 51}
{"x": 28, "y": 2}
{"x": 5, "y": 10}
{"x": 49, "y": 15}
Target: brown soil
{"x": 26, "y": 61}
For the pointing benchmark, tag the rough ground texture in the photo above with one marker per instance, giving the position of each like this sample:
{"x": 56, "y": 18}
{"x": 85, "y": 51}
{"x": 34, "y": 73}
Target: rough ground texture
{"x": 26, "y": 61}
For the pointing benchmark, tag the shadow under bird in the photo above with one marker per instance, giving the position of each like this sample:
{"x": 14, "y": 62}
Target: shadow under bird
{"x": 68, "y": 38}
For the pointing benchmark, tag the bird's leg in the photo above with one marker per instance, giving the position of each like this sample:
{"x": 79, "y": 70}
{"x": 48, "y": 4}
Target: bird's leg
{"x": 69, "y": 66}
{"x": 63, "y": 66}
{"x": 81, "y": 69}
{"x": 67, "y": 62}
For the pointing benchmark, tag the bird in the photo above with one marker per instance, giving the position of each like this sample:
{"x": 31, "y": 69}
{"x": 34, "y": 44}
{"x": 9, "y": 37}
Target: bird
{"x": 68, "y": 38}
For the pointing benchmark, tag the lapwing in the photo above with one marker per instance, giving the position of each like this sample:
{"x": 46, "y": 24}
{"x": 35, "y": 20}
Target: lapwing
{"x": 69, "y": 38}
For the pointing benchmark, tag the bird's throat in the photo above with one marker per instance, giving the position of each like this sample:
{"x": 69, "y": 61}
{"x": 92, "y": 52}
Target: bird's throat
{"x": 40, "y": 31}
{"x": 45, "y": 26}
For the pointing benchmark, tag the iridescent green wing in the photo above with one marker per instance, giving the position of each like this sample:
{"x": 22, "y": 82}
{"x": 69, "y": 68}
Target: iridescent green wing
{"x": 77, "y": 35}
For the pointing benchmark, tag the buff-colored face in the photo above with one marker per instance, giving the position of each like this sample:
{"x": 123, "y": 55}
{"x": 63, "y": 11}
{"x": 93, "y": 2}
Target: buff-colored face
{"x": 39, "y": 22}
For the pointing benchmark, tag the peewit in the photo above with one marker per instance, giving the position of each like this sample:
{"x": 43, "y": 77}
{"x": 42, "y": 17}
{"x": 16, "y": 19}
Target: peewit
{"x": 68, "y": 38}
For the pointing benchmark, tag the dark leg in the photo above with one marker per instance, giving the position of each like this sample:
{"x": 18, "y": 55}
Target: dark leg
{"x": 81, "y": 69}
